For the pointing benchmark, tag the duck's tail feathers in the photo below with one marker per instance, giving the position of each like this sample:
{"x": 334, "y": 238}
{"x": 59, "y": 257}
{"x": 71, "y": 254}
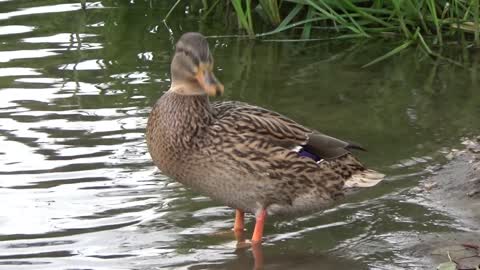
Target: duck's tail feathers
{"x": 363, "y": 179}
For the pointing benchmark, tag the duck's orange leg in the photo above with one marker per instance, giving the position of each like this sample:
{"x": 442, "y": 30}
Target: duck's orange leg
{"x": 239, "y": 228}
{"x": 259, "y": 223}
{"x": 257, "y": 252}
{"x": 239, "y": 220}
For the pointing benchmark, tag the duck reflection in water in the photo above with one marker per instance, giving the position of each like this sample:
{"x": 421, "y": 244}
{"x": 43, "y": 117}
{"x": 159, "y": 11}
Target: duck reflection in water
{"x": 280, "y": 255}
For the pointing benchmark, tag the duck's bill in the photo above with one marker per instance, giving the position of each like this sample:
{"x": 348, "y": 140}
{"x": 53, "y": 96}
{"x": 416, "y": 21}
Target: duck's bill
{"x": 209, "y": 83}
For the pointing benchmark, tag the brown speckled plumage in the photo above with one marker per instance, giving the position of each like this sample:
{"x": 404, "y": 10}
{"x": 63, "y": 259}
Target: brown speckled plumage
{"x": 243, "y": 155}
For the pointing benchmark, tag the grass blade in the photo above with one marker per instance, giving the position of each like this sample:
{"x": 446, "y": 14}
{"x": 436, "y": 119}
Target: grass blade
{"x": 390, "y": 53}
{"x": 433, "y": 10}
{"x": 307, "y": 28}
{"x": 170, "y": 11}
{"x": 476, "y": 15}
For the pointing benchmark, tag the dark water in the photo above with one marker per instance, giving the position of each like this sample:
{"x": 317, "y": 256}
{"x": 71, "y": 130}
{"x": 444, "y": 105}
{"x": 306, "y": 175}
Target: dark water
{"x": 78, "y": 189}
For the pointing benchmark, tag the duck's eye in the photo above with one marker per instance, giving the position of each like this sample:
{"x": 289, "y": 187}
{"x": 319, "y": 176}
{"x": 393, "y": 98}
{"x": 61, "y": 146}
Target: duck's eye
{"x": 190, "y": 55}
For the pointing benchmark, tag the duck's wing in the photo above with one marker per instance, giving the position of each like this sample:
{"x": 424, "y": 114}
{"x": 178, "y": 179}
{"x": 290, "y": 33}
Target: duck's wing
{"x": 269, "y": 148}
{"x": 280, "y": 130}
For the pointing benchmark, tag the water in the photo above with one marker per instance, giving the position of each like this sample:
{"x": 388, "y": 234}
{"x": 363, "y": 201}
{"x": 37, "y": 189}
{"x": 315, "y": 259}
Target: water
{"x": 78, "y": 189}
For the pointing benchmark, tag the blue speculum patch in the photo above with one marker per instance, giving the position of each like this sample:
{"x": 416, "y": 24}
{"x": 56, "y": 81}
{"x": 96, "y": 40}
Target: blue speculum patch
{"x": 304, "y": 153}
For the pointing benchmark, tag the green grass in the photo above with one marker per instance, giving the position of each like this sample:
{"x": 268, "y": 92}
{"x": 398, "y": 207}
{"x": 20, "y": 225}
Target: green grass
{"x": 366, "y": 17}
{"x": 426, "y": 23}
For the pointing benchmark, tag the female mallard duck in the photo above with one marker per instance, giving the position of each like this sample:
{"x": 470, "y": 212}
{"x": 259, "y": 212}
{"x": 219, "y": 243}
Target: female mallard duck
{"x": 247, "y": 157}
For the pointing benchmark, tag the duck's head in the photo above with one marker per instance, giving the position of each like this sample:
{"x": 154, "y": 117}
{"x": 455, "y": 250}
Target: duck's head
{"x": 192, "y": 67}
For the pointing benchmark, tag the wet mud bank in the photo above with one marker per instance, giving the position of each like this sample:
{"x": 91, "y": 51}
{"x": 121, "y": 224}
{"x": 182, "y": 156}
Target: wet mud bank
{"x": 451, "y": 234}
{"x": 454, "y": 188}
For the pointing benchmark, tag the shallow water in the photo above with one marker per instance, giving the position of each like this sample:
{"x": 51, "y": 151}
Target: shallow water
{"x": 77, "y": 186}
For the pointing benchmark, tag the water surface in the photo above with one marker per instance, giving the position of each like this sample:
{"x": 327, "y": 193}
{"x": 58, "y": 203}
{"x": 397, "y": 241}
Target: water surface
{"x": 78, "y": 189}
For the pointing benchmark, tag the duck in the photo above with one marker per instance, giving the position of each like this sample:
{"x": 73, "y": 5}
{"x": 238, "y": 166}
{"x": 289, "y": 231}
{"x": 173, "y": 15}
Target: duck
{"x": 249, "y": 158}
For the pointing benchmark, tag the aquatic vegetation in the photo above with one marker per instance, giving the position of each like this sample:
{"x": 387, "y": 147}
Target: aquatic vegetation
{"x": 426, "y": 23}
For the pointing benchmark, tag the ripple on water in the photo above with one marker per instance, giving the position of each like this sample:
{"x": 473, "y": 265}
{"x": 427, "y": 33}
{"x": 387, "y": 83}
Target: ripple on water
{"x": 46, "y": 10}
{"x": 59, "y": 38}
{"x": 92, "y": 64}
{"x": 18, "y": 71}
{"x": 8, "y": 56}
{"x": 15, "y": 29}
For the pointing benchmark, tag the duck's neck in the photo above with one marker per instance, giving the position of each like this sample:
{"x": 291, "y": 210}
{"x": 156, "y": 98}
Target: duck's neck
{"x": 190, "y": 109}
{"x": 184, "y": 117}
